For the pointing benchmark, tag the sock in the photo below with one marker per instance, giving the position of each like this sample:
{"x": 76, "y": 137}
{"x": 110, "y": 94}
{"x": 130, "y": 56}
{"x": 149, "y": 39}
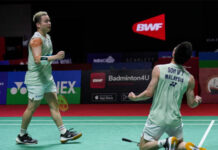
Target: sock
{"x": 161, "y": 143}
{"x": 22, "y": 132}
{"x": 62, "y": 129}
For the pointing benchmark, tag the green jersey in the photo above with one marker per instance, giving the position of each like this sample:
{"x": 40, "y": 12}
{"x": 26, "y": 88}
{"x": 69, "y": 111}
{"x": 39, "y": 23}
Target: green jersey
{"x": 39, "y": 74}
{"x": 172, "y": 84}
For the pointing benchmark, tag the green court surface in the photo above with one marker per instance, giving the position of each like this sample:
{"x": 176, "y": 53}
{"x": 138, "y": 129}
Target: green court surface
{"x": 100, "y": 133}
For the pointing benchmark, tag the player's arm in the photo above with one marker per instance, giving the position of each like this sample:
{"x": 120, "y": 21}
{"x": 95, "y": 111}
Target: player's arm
{"x": 148, "y": 93}
{"x": 192, "y": 101}
{"x": 36, "y": 46}
{"x": 60, "y": 55}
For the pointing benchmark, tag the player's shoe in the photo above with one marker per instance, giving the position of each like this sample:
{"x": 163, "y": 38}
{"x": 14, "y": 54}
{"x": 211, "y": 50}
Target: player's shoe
{"x": 171, "y": 143}
{"x": 25, "y": 139}
{"x": 70, "y": 135}
{"x": 191, "y": 146}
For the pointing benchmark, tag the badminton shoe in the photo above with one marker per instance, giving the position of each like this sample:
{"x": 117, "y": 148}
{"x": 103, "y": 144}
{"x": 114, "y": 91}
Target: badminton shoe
{"x": 25, "y": 139}
{"x": 191, "y": 146}
{"x": 70, "y": 135}
{"x": 171, "y": 143}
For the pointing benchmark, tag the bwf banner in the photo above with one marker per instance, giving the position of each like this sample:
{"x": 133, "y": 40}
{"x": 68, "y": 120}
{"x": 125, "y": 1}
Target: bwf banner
{"x": 209, "y": 84}
{"x": 113, "y": 86}
{"x": 153, "y": 27}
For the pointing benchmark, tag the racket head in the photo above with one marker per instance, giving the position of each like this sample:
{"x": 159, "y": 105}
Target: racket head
{"x": 63, "y": 105}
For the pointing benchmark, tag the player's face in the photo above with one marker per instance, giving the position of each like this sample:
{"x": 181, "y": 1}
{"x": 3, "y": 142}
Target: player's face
{"x": 45, "y": 24}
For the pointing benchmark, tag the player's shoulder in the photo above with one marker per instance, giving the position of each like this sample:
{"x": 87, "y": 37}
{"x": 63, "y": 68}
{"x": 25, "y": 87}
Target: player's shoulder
{"x": 156, "y": 70}
{"x": 191, "y": 77}
{"x": 36, "y": 35}
{"x": 162, "y": 66}
{"x": 187, "y": 72}
{"x": 48, "y": 36}
{"x": 35, "y": 42}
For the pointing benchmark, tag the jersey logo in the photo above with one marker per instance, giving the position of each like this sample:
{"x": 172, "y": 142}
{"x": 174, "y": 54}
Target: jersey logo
{"x": 173, "y": 84}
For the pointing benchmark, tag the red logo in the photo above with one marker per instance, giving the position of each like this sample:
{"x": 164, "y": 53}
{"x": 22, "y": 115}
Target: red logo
{"x": 97, "y": 80}
{"x": 152, "y": 27}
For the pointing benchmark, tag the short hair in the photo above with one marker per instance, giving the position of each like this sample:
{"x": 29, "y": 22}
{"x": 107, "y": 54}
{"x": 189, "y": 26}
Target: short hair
{"x": 183, "y": 52}
{"x": 38, "y": 15}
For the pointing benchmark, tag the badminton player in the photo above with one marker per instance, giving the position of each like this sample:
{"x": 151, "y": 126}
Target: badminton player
{"x": 40, "y": 83}
{"x": 168, "y": 85}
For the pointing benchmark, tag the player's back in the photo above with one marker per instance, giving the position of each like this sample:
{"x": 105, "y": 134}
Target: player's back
{"x": 172, "y": 84}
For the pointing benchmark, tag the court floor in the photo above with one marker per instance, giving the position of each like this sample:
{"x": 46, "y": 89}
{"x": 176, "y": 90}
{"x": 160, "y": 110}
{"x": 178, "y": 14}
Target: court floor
{"x": 101, "y": 133}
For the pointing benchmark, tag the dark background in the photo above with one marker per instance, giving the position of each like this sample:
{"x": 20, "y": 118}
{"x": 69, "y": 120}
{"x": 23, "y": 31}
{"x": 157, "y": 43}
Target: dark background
{"x": 81, "y": 27}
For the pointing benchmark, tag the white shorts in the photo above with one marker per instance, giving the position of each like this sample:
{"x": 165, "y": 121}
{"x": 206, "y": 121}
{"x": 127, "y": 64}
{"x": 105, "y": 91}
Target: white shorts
{"x": 36, "y": 92}
{"x": 152, "y": 132}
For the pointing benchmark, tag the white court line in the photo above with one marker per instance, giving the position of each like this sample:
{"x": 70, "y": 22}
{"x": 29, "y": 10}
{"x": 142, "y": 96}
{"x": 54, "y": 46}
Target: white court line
{"x": 103, "y": 120}
{"x": 206, "y": 133}
{"x": 90, "y": 124}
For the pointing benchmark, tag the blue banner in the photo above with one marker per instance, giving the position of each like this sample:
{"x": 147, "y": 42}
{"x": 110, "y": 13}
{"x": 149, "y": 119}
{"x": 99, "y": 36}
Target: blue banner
{"x": 68, "y": 87}
{"x": 169, "y": 54}
{"x": 104, "y": 57}
{"x": 4, "y": 62}
{"x": 208, "y": 55}
{"x": 143, "y": 65}
{"x": 3, "y": 87}
{"x": 14, "y": 77}
{"x": 68, "y": 76}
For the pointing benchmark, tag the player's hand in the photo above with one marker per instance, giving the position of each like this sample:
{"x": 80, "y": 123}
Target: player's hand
{"x": 60, "y": 55}
{"x": 132, "y": 96}
{"x": 198, "y": 99}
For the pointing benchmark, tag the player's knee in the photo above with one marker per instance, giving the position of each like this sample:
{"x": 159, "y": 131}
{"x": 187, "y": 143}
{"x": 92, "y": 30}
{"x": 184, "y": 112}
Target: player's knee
{"x": 143, "y": 146}
{"x": 31, "y": 109}
{"x": 54, "y": 107}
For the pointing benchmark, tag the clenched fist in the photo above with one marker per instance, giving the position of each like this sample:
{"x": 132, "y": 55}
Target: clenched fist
{"x": 60, "y": 55}
{"x": 132, "y": 96}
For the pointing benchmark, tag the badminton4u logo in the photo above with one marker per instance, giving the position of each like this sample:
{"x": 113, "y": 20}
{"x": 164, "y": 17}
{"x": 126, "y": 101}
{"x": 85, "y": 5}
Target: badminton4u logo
{"x": 18, "y": 87}
{"x": 152, "y": 27}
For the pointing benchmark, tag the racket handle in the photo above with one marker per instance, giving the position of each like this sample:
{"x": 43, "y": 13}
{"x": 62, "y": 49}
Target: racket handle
{"x": 127, "y": 140}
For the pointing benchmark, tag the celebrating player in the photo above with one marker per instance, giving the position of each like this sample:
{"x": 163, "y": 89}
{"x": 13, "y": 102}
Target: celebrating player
{"x": 168, "y": 85}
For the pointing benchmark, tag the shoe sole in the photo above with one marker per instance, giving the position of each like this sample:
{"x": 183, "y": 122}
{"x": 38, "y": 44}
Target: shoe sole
{"x": 74, "y": 138}
{"x": 19, "y": 142}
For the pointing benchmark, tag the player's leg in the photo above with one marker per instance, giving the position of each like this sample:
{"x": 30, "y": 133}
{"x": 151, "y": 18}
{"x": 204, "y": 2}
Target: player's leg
{"x": 35, "y": 94}
{"x": 151, "y": 135}
{"x": 168, "y": 143}
{"x": 148, "y": 145}
{"x": 66, "y": 135}
{"x": 52, "y": 101}
{"x": 51, "y": 98}
{"x": 28, "y": 113}
{"x": 178, "y": 132}
{"x": 189, "y": 146}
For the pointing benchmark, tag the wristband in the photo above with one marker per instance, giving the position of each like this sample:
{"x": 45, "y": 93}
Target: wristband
{"x": 44, "y": 60}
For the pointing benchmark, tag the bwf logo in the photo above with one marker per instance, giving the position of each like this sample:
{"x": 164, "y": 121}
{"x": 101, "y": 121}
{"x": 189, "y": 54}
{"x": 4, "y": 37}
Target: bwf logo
{"x": 149, "y": 27}
{"x": 152, "y": 27}
{"x": 18, "y": 87}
